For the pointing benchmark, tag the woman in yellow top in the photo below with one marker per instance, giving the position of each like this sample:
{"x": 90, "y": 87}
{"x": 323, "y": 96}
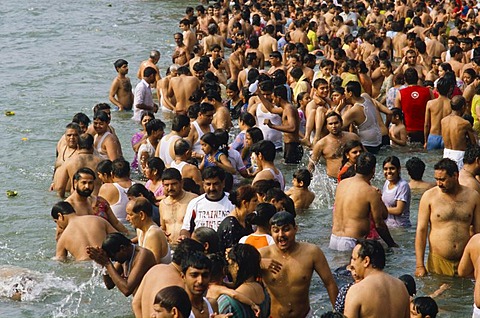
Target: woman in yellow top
{"x": 476, "y": 110}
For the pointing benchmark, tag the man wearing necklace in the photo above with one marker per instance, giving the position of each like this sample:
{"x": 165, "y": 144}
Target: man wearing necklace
{"x": 84, "y": 158}
{"x": 331, "y": 146}
{"x": 471, "y": 168}
{"x": 174, "y": 206}
{"x": 131, "y": 262}
{"x": 161, "y": 276}
{"x": 293, "y": 264}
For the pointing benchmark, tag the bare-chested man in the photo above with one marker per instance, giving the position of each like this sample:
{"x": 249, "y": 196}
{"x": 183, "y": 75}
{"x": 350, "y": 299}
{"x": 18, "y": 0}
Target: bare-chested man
{"x": 85, "y": 204}
{"x": 183, "y": 152}
{"x": 124, "y": 263}
{"x": 121, "y": 89}
{"x": 180, "y": 56}
{"x": 75, "y": 233}
{"x": 189, "y": 37}
{"x": 471, "y": 168}
{"x": 151, "y": 62}
{"x": 375, "y": 20}
{"x": 166, "y": 102}
{"x": 275, "y": 60}
{"x": 293, "y": 264}
{"x": 436, "y": 110}
{"x": 173, "y": 207}
{"x": 84, "y": 158}
{"x": 356, "y": 202}
{"x": 267, "y": 42}
{"x": 410, "y": 61}
{"x": 457, "y": 132}
{"x": 330, "y": 146}
{"x": 67, "y": 148}
{"x": 264, "y": 151}
{"x": 449, "y": 210}
{"x": 182, "y": 87}
{"x": 160, "y": 276}
{"x": 387, "y": 295}
{"x": 237, "y": 60}
{"x": 320, "y": 103}
{"x": 213, "y": 38}
{"x": 299, "y": 35}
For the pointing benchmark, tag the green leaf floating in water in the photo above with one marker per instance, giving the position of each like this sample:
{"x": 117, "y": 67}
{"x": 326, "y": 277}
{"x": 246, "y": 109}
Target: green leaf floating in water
{"x": 11, "y": 193}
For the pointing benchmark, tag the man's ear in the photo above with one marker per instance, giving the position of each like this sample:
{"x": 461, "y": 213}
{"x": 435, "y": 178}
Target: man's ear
{"x": 175, "y": 312}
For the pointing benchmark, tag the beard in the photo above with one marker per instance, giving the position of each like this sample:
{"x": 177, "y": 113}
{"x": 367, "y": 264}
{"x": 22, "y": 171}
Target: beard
{"x": 84, "y": 193}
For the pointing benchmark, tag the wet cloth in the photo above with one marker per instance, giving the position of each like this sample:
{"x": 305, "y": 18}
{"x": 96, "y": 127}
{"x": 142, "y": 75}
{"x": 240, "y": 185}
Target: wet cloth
{"x": 439, "y": 265}
{"x": 435, "y": 142}
{"x": 342, "y": 243}
{"x": 476, "y": 312}
{"x": 455, "y": 155}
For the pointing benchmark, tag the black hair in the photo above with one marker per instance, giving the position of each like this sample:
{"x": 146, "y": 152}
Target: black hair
{"x": 415, "y": 168}
{"x": 174, "y": 296}
{"x": 213, "y": 172}
{"x": 196, "y": 260}
{"x": 304, "y": 176}
{"x": 374, "y": 250}
{"x": 426, "y": 306}
{"x": 120, "y": 168}
{"x": 114, "y": 242}
{"x": 266, "y": 148}
{"x": 366, "y": 163}
{"x": 62, "y": 207}
{"x": 247, "y": 258}
{"x": 136, "y": 190}
{"x": 207, "y": 235}
{"x": 283, "y": 218}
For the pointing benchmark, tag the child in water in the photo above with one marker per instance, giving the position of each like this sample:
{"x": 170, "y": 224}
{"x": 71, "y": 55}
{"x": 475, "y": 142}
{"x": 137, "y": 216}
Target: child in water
{"x": 397, "y": 131}
{"x": 299, "y": 193}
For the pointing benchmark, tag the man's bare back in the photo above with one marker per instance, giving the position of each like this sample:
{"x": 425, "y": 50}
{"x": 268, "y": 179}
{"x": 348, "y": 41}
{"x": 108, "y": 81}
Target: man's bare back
{"x": 182, "y": 87}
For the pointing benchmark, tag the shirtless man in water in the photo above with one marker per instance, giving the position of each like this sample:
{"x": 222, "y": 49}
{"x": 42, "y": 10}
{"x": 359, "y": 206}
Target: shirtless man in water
{"x": 182, "y": 87}
{"x": 448, "y": 209}
{"x": 356, "y": 202}
{"x": 151, "y": 62}
{"x": 121, "y": 89}
{"x": 293, "y": 264}
{"x": 67, "y": 147}
{"x": 85, "y": 204}
{"x": 331, "y": 146}
{"x": 471, "y": 168}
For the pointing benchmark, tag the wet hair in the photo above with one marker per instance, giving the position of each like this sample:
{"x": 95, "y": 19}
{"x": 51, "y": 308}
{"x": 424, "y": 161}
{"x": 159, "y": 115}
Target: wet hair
{"x": 374, "y": 250}
{"x": 457, "y": 103}
{"x": 138, "y": 189}
{"x": 155, "y": 163}
{"x": 120, "y": 168}
{"x": 243, "y": 193}
{"x": 101, "y": 106}
{"x": 205, "y": 108}
{"x": 304, "y": 176}
{"x": 119, "y": 63}
{"x": 411, "y": 76}
{"x": 262, "y": 186}
{"x": 409, "y": 282}
{"x": 397, "y": 112}
{"x": 184, "y": 248}
{"x": 262, "y": 215}
{"x": 393, "y": 160}
{"x": 448, "y": 165}
{"x": 114, "y": 242}
{"x": 354, "y": 88}
{"x": 81, "y": 118}
{"x": 248, "y": 119}
{"x": 222, "y": 139}
{"x": 174, "y": 296}
{"x": 181, "y": 147}
{"x": 104, "y": 167}
{"x": 247, "y": 258}
{"x": 147, "y": 113}
{"x": 443, "y": 86}
{"x": 266, "y": 148}
{"x": 282, "y": 218}
{"x": 196, "y": 260}
{"x": 171, "y": 174}
{"x": 180, "y": 121}
{"x": 366, "y": 163}
{"x": 102, "y": 116}
{"x": 85, "y": 141}
{"x": 142, "y": 205}
{"x": 154, "y": 125}
{"x": 62, "y": 207}
{"x": 213, "y": 172}
{"x": 207, "y": 235}
{"x": 415, "y": 168}
{"x": 256, "y": 134}
{"x": 446, "y": 67}
{"x": 472, "y": 153}
{"x": 426, "y": 306}
{"x": 149, "y": 71}
{"x": 334, "y": 114}
{"x": 81, "y": 171}
{"x": 211, "y": 140}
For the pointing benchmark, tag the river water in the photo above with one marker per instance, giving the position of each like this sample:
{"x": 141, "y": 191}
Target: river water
{"x": 57, "y": 59}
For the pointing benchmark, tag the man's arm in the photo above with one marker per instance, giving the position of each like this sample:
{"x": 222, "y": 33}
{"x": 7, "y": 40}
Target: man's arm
{"x": 113, "y": 92}
{"x": 427, "y": 125}
{"x": 353, "y": 303}
{"x": 61, "y": 251}
{"x": 316, "y": 153}
{"x": 378, "y": 210}
{"x": 288, "y": 127}
{"x": 476, "y": 212}
{"x": 350, "y": 117}
{"x": 112, "y": 148}
{"x": 421, "y": 234}
{"x": 465, "y": 267}
{"x": 398, "y": 101}
{"x": 60, "y": 182}
{"x": 323, "y": 270}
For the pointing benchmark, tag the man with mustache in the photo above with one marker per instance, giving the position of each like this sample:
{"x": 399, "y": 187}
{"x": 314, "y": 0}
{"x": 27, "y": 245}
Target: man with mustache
{"x": 449, "y": 209}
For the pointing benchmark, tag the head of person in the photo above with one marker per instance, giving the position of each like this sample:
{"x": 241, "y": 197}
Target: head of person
{"x": 444, "y": 87}
{"x": 118, "y": 247}
{"x": 208, "y": 237}
{"x": 444, "y": 68}
{"x": 205, "y": 114}
{"x": 85, "y": 141}
{"x": 391, "y": 168}
{"x": 106, "y": 108}
{"x": 245, "y": 198}
{"x": 283, "y": 228}
{"x": 72, "y": 133}
{"x": 154, "y": 56}
{"x": 213, "y": 182}
{"x": 472, "y": 157}
{"x": 458, "y": 103}
{"x": 196, "y": 271}
{"x": 138, "y": 190}
{"x": 262, "y": 186}
{"x": 367, "y": 254}
{"x": 181, "y": 124}
{"x": 397, "y": 116}
{"x": 262, "y": 215}
{"x": 104, "y": 171}
{"x": 82, "y": 120}
{"x": 121, "y": 66}
{"x": 155, "y": 128}
{"x": 276, "y": 197}
{"x": 252, "y": 136}
{"x": 83, "y": 182}
{"x": 446, "y": 175}
{"x": 423, "y": 307}
{"x": 100, "y": 122}
{"x": 154, "y": 168}
{"x": 120, "y": 168}
{"x": 172, "y": 302}
{"x": 334, "y": 123}
{"x": 411, "y": 76}
{"x": 149, "y": 74}
{"x": 182, "y": 148}
{"x": 172, "y": 182}
{"x": 415, "y": 168}
{"x": 353, "y": 90}
{"x": 209, "y": 143}
{"x": 366, "y": 164}
{"x": 409, "y": 282}
{"x": 302, "y": 178}
{"x": 264, "y": 150}
{"x": 139, "y": 211}
{"x": 59, "y": 210}
{"x": 243, "y": 263}
{"x": 145, "y": 118}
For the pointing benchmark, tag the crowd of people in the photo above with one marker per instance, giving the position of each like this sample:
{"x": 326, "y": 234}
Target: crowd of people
{"x": 215, "y": 222}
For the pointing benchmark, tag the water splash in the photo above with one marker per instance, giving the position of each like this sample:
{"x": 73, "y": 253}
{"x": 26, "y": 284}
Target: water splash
{"x": 324, "y": 188}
